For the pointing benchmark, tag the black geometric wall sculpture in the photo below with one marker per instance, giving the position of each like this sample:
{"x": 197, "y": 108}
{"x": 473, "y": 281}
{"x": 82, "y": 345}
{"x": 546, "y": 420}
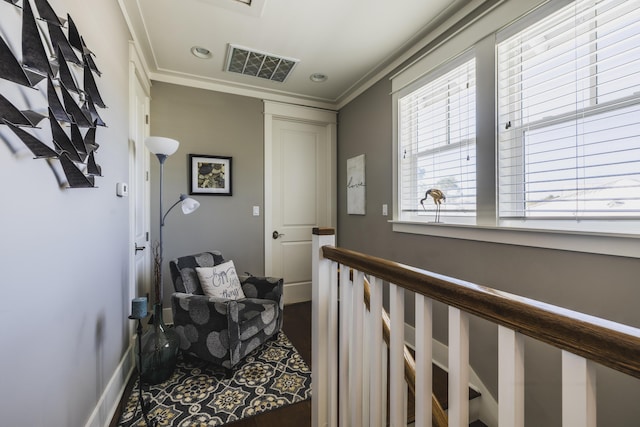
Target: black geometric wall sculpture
{"x": 57, "y": 52}
{"x": 62, "y": 141}
{"x": 34, "y": 56}
{"x": 47, "y": 13}
{"x": 40, "y": 150}
{"x": 78, "y": 142}
{"x": 9, "y": 113}
{"x": 55, "y": 105}
{"x": 11, "y": 69}
{"x": 66, "y": 78}
{"x": 76, "y": 178}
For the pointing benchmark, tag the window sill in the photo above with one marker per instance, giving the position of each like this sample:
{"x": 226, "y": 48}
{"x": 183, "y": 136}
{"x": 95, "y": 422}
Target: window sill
{"x": 596, "y": 243}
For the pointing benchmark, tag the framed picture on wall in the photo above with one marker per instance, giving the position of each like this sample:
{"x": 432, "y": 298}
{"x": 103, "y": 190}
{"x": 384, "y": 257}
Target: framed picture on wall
{"x": 356, "y": 186}
{"x": 210, "y": 175}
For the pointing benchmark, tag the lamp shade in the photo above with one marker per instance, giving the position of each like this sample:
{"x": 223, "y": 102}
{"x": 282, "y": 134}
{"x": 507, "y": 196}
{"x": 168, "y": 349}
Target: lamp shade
{"x": 188, "y": 204}
{"x": 161, "y": 145}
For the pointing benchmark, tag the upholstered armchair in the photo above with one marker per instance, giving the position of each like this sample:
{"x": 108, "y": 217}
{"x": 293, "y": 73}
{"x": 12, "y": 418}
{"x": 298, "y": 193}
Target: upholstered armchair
{"x": 220, "y": 330}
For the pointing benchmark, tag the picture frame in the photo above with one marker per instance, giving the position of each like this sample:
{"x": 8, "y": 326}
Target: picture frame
{"x": 356, "y": 186}
{"x": 210, "y": 175}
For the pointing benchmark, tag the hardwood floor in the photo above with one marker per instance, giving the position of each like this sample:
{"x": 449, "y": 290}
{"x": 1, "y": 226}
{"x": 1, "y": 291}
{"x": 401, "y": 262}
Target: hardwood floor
{"x": 297, "y": 326}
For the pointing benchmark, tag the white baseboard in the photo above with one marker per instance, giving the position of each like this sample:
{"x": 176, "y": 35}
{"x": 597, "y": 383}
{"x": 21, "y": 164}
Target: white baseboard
{"x": 106, "y": 407}
{"x": 297, "y": 292}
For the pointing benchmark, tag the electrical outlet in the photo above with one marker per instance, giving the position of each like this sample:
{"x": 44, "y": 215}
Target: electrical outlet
{"x": 385, "y": 210}
{"x": 256, "y": 211}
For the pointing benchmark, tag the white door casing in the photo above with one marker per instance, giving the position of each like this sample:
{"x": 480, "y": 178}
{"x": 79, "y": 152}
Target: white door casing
{"x": 139, "y": 194}
{"x": 300, "y": 190}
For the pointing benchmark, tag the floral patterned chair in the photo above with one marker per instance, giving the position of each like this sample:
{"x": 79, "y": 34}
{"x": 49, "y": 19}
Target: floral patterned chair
{"x": 220, "y": 330}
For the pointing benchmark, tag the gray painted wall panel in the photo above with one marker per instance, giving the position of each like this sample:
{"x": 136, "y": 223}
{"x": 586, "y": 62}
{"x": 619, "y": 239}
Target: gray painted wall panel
{"x": 599, "y": 285}
{"x": 64, "y": 253}
{"x": 211, "y": 123}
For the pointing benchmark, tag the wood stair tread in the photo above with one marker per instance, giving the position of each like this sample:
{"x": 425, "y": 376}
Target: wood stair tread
{"x": 440, "y": 388}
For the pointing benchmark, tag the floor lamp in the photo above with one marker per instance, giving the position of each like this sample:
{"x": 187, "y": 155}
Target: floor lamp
{"x": 164, "y": 147}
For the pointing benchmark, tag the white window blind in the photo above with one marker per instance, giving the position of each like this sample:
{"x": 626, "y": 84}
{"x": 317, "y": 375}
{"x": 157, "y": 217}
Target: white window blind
{"x": 436, "y": 141}
{"x": 569, "y": 114}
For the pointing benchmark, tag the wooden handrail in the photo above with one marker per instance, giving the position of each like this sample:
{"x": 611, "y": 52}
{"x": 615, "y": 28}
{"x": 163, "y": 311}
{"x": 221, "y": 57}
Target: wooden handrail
{"x": 438, "y": 415}
{"x": 609, "y": 343}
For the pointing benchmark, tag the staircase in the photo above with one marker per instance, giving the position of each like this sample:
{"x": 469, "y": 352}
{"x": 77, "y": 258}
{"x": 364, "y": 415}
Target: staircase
{"x": 441, "y": 392}
{"x": 350, "y": 334}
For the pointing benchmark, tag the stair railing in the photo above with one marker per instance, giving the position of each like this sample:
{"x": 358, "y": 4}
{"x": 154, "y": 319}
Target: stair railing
{"x": 438, "y": 415}
{"x": 348, "y": 352}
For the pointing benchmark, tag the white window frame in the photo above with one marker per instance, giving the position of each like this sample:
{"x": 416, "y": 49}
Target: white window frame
{"x": 590, "y": 236}
{"x": 513, "y": 202}
{"x": 459, "y": 216}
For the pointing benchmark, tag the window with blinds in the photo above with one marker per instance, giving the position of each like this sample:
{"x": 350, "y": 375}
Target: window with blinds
{"x": 569, "y": 114}
{"x": 436, "y": 142}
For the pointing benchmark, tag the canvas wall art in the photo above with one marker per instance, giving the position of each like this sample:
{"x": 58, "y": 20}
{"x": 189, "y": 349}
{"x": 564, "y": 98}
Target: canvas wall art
{"x": 356, "y": 200}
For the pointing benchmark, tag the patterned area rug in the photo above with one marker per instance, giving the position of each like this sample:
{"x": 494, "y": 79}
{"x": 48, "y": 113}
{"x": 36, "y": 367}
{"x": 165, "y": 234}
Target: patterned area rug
{"x": 200, "y": 394}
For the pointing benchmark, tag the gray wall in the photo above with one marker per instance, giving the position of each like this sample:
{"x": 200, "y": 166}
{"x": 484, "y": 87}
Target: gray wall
{"x": 64, "y": 253}
{"x": 211, "y": 123}
{"x": 604, "y": 286}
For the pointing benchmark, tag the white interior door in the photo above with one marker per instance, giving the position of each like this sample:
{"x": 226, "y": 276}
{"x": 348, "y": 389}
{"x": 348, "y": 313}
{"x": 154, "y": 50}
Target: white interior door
{"x": 300, "y": 194}
{"x": 139, "y": 185}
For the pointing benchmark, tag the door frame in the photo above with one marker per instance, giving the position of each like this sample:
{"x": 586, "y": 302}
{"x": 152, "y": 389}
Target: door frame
{"x": 296, "y": 113}
{"x": 137, "y": 75}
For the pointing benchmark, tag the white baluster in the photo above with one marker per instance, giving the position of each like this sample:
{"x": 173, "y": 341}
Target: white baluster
{"x": 510, "y": 378}
{"x": 376, "y": 342}
{"x": 424, "y": 363}
{"x": 344, "y": 332}
{"x": 357, "y": 343}
{"x": 458, "y": 368}
{"x": 397, "y": 383}
{"x": 366, "y": 366}
{"x": 332, "y": 347}
{"x": 578, "y": 391}
{"x": 385, "y": 383}
{"x": 321, "y": 272}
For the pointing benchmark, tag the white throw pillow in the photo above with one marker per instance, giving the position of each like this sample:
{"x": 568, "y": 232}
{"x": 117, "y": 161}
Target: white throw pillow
{"x": 220, "y": 281}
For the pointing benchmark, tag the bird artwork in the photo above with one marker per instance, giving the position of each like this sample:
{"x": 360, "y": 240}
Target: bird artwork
{"x": 438, "y": 197}
{"x": 48, "y": 43}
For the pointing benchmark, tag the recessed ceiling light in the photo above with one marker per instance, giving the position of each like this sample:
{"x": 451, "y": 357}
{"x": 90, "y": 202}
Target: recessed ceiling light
{"x": 318, "y": 77}
{"x": 201, "y": 52}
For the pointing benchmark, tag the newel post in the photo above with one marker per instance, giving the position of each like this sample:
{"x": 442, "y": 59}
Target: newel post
{"x": 321, "y": 331}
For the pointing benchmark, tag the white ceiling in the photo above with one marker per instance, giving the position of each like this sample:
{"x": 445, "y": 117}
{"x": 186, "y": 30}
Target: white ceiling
{"x": 351, "y": 41}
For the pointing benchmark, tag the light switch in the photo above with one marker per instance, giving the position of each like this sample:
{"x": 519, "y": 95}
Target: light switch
{"x": 385, "y": 210}
{"x": 256, "y": 211}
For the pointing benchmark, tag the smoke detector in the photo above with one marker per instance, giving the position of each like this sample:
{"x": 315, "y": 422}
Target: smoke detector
{"x": 255, "y": 63}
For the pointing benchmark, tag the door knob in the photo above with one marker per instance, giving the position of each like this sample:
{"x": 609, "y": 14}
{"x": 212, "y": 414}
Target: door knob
{"x": 139, "y": 248}
{"x": 275, "y": 234}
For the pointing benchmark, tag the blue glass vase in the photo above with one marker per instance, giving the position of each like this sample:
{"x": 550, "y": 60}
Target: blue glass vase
{"x": 159, "y": 350}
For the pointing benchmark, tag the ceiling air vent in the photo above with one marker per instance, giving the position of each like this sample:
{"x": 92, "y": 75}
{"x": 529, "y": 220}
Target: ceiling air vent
{"x": 259, "y": 64}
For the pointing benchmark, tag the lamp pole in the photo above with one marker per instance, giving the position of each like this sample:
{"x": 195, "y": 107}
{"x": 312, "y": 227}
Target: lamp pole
{"x": 164, "y": 147}
{"x": 161, "y": 159}
{"x": 161, "y": 354}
